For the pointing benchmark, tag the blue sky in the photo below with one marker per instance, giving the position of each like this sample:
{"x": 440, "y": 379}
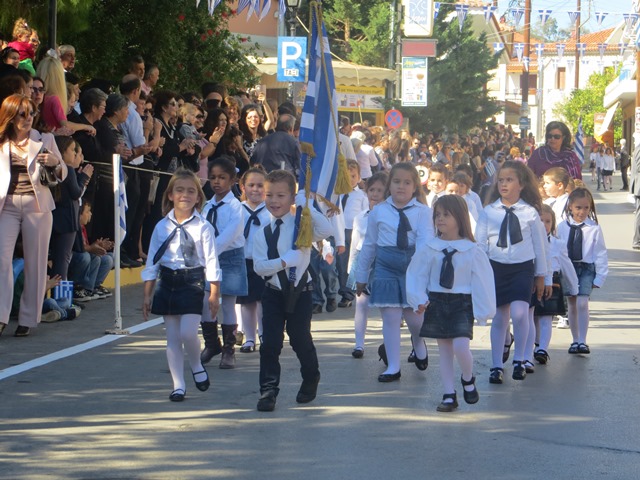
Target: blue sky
{"x": 615, "y": 8}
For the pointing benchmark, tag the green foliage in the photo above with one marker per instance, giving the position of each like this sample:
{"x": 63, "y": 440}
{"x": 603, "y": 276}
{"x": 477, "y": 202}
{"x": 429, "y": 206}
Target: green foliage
{"x": 588, "y": 101}
{"x": 550, "y": 32}
{"x": 372, "y": 46}
{"x": 457, "y": 96}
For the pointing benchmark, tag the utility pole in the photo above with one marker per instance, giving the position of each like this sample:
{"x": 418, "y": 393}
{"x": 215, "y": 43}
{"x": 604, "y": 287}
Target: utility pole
{"x": 577, "y": 67}
{"x": 53, "y": 23}
{"x": 524, "y": 109}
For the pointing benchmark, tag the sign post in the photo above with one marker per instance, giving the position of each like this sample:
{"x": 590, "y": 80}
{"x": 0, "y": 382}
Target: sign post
{"x": 292, "y": 57}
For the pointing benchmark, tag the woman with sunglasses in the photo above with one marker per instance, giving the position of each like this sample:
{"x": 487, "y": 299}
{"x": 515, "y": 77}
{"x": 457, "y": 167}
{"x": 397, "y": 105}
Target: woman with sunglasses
{"x": 25, "y": 207}
{"x": 557, "y": 152}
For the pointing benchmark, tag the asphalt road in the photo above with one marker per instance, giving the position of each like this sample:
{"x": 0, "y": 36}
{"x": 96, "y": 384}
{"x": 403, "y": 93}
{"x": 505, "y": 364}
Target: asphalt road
{"x": 97, "y": 407}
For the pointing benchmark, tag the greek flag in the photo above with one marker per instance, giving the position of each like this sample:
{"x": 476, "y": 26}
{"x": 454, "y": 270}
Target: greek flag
{"x": 579, "y": 143}
{"x": 266, "y": 6}
{"x": 63, "y": 290}
{"x": 122, "y": 204}
{"x": 242, "y": 4}
{"x": 318, "y": 123}
{"x": 282, "y": 8}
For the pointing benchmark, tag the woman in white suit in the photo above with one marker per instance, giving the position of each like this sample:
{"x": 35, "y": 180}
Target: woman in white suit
{"x": 25, "y": 206}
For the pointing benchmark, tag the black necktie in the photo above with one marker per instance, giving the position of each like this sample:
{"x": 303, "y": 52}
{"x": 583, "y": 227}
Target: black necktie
{"x": 213, "y": 217}
{"x": 187, "y": 245}
{"x": 512, "y": 225}
{"x": 404, "y": 227}
{"x": 345, "y": 197}
{"x": 446, "y": 272}
{"x": 272, "y": 241}
{"x": 253, "y": 217}
{"x": 574, "y": 245}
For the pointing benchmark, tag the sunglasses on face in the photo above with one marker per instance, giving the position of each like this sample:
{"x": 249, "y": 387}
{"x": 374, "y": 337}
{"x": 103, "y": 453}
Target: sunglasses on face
{"x": 37, "y": 90}
{"x": 555, "y": 136}
{"x": 26, "y": 115}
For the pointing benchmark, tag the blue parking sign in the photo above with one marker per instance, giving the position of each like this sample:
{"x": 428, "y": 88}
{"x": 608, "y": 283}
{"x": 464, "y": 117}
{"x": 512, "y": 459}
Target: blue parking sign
{"x": 292, "y": 56}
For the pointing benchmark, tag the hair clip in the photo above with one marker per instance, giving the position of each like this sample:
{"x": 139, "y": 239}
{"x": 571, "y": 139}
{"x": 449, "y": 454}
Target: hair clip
{"x": 52, "y": 53}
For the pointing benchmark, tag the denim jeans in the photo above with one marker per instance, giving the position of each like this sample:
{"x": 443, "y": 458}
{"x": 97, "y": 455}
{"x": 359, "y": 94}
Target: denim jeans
{"x": 88, "y": 270}
{"x": 323, "y": 271}
{"x": 50, "y": 304}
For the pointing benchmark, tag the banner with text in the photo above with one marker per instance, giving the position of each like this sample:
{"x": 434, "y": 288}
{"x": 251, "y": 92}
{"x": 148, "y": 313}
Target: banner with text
{"x": 414, "y": 81}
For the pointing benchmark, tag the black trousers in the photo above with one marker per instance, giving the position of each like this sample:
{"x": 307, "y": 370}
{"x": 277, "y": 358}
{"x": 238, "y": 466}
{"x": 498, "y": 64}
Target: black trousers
{"x": 298, "y": 326}
{"x": 625, "y": 177}
{"x": 138, "y": 186}
{"x": 342, "y": 264}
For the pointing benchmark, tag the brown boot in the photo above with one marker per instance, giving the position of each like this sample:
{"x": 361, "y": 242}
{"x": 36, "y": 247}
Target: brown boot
{"x": 212, "y": 346}
{"x": 228, "y": 359}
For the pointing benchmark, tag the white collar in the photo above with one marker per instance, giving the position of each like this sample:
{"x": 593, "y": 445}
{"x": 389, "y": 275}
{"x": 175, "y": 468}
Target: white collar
{"x": 461, "y": 245}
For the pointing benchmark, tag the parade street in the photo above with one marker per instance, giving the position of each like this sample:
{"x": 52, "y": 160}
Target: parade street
{"x": 101, "y": 410}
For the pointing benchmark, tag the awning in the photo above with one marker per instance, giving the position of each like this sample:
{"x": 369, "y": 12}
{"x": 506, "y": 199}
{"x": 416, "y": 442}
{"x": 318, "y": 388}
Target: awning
{"x": 608, "y": 118}
{"x": 345, "y": 73}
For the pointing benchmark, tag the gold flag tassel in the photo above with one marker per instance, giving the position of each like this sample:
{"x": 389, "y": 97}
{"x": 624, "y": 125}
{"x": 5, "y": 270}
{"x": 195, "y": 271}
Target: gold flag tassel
{"x": 305, "y": 230}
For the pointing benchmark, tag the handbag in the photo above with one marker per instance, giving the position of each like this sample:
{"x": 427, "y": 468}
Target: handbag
{"x": 48, "y": 174}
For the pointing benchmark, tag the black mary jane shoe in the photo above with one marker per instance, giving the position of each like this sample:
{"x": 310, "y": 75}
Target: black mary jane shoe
{"x": 389, "y": 377}
{"x": 22, "y": 331}
{"x": 529, "y": 367}
{"x": 448, "y": 406}
{"x": 541, "y": 356}
{"x": 357, "y": 352}
{"x": 177, "y": 395}
{"x": 519, "y": 370}
{"x": 204, "y": 385}
{"x": 584, "y": 348}
{"x": 505, "y": 355}
{"x": 422, "y": 363}
{"x": 496, "y": 375}
{"x": 573, "y": 348}
{"x": 472, "y": 396}
{"x": 382, "y": 353}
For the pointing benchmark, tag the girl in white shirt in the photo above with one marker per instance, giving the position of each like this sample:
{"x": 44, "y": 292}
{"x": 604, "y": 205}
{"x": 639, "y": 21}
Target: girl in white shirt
{"x": 556, "y": 184}
{"x": 588, "y": 252}
{"x": 608, "y": 167}
{"x": 510, "y": 231}
{"x": 225, "y": 213}
{"x": 255, "y": 216}
{"x": 394, "y": 229}
{"x": 375, "y": 188}
{"x": 450, "y": 280}
{"x": 182, "y": 253}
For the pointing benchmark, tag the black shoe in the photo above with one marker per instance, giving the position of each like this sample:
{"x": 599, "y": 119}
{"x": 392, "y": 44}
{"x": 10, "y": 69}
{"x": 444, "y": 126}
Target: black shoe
{"x": 541, "y": 356}
{"x": 422, "y": 363}
{"x": 448, "y": 406}
{"x": 473, "y": 396}
{"x": 316, "y": 309}
{"x": 308, "y": 390}
{"x": 267, "y": 402}
{"x": 529, "y": 367}
{"x": 22, "y": 331}
{"x": 573, "y": 348}
{"x": 205, "y": 384}
{"x": 127, "y": 262}
{"x": 331, "y": 305}
{"x": 345, "y": 303}
{"x": 505, "y": 355}
{"x": 389, "y": 377}
{"x": 177, "y": 395}
{"x": 584, "y": 348}
{"x": 382, "y": 353}
{"x": 519, "y": 370}
{"x": 412, "y": 357}
{"x": 496, "y": 375}
{"x": 248, "y": 347}
{"x": 357, "y": 352}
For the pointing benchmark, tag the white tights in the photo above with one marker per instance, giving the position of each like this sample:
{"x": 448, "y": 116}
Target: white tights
{"x": 459, "y": 347}
{"x": 250, "y": 320}
{"x": 182, "y": 331}
{"x": 519, "y": 313}
{"x": 544, "y": 327}
{"x": 360, "y": 318}
{"x": 531, "y": 336}
{"x": 579, "y": 317}
{"x": 391, "y": 320}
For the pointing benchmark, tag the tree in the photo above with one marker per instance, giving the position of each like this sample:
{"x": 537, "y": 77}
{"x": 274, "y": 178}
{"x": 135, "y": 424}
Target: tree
{"x": 585, "y": 102}
{"x": 457, "y": 98}
{"x": 550, "y": 32}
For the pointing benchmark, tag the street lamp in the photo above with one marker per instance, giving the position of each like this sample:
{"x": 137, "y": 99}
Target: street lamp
{"x": 292, "y": 13}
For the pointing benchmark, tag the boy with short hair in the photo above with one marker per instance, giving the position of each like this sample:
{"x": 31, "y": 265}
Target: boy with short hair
{"x": 285, "y": 304}
{"x": 438, "y": 177}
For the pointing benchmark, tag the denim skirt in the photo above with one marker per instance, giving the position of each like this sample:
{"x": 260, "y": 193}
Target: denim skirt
{"x": 255, "y": 283}
{"x": 448, "y": 315}
{"x": 234, "y": 272}
{"x": 179, "y": 292}
{"x": 514, "y": 281}
{"x": 389, "y": 278}
{"x": 586, "y": 273}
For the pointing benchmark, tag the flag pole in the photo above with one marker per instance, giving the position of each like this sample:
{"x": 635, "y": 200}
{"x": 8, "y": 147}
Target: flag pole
{"x": 117, "y": 327}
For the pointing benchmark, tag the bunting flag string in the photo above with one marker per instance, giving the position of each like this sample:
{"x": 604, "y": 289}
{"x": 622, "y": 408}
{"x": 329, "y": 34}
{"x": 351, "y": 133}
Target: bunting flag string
{"x": 544, "y": 16}
{"x": 539, "y": 49}
{"x": 630, "y": 19}
{"x": 264, "y": 11}
{"x": 254, "y": 6}
{"x": 573, "y": 16}
{"x": 622, "y": 47}
{"x": 584, "y": 62}
{"x": 601, "y": 67}
{"x": 242, "y": 5}
{"x": 615, "y": 65}
{"x": 600, "y": 16}
{"x": 462, "y": 11}
{"x": 560, "y": 48}
{"x": 602, "y": 48}
{"x": 582, "y": 48}
{"x": 571, "y": 62}
{"x": 436, "y": 9}
{"x": 525, "y": 62}
{"x": 517, "y": 14}
{"x": 488, "y": 10}
{"x": 497, "y": 46}
{"x": 282, "y": 9}
{"x": 519, "y": 49}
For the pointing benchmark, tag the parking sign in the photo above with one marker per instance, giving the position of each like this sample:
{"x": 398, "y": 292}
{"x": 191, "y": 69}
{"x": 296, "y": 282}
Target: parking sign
{"x": 292, "y": 56}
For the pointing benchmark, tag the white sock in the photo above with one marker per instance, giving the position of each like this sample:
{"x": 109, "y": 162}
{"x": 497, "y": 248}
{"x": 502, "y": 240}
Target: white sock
{"x": 175, "y": 355}
{"x": 445, "y": 349}
{"x": 545, "y": 327}
{"x": 414, "y": 323}
{"x": 583, "y": 318}
{"x": 531, "y": 336}
{"x": 360, "y": 319}
{"x": 391, "y": 318}
{"x": 520, "y": 318}
{"x": 249, "y": 315}
{"x": 572, "y": 316}
{"x": 499, "y": 325}
{"x": 462, "y": 351}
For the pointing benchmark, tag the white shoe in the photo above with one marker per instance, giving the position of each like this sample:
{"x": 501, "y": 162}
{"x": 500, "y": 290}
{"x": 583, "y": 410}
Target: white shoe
{"x": 563, "y": 322}
{"x": 51, "y": 316}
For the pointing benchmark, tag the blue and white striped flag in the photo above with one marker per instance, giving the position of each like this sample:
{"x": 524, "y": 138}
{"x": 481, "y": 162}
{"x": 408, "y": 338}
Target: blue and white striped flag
{"x": 579, "y": 143}
{"x": 64, "y": 289}
{"x": 242, "y": 4}
{"x": 282, "y": 8}
{"x": 319, "y": 119}
{"x": 122, "y": 204}
{"x": 266, "y": 6}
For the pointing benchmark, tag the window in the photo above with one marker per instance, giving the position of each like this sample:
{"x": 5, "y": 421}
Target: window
{"x": 561, "y": 74}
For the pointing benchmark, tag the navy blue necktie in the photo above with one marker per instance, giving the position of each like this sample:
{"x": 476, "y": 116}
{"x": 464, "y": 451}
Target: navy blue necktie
{"x": 574, "y": 245}
{"x": 404, "y": 227}
{"x": 253, "y": 218}
{"x": 187, "y": 245}
{"x": 212, "y": 217}
{"x": 345, "y": 197}
{"x": 510, "y": 224}
{"x": 446, "y": 271}
{"x": 272, "y": 240}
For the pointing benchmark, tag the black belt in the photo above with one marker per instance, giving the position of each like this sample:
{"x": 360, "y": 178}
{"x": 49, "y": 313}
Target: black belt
{"x": 307, "y": 288}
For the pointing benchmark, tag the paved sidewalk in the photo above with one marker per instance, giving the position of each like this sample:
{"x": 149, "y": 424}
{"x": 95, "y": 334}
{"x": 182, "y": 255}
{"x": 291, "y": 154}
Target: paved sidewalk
{"x": 104, "y": 413}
